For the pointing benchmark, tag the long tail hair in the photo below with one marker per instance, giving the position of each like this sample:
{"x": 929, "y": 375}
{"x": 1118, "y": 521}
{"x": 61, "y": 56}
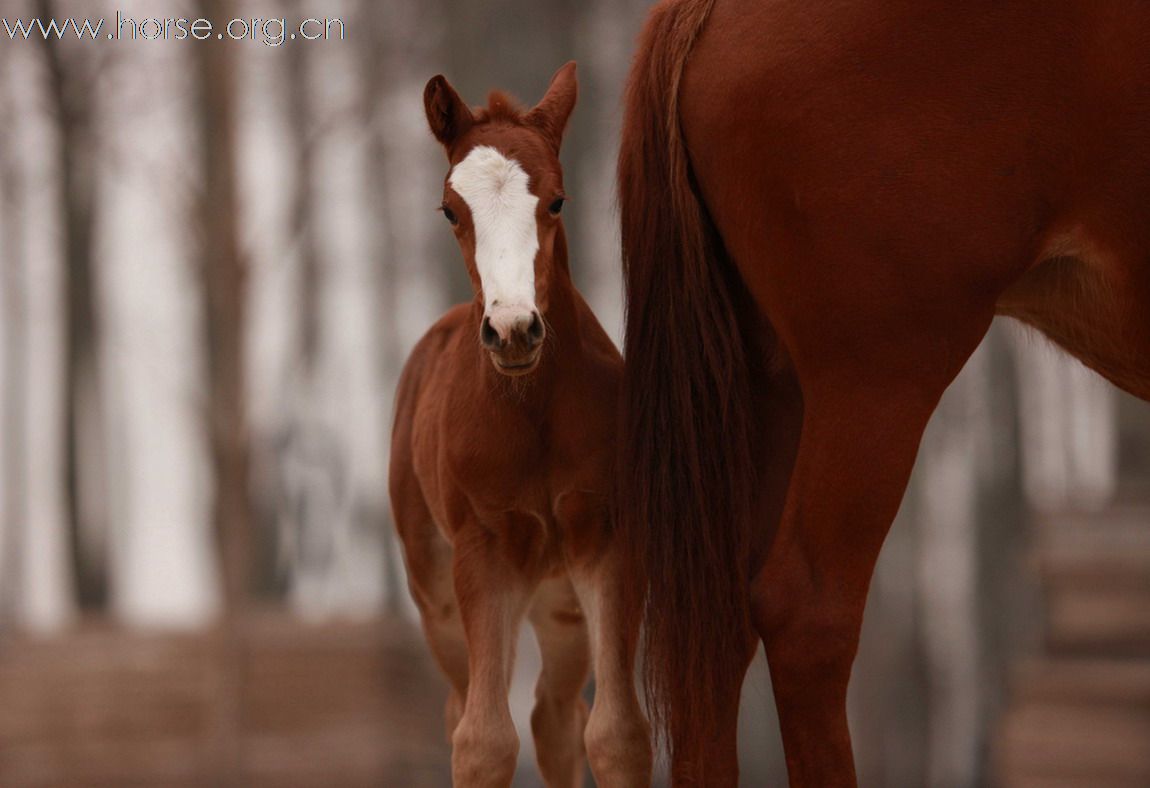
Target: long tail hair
{"x": 685, "y": 463}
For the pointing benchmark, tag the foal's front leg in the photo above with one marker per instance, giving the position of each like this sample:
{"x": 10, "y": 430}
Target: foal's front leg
{"x": 492, "y": 597}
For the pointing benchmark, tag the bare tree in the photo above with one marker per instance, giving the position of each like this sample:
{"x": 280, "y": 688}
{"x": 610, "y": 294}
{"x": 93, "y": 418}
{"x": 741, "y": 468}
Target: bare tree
{"x": 223, "y": 274}
{"x": 370, "y": 50}
{"x": 305, "y": 499}
{"x": 13, "y": 310}
{"x": 71, "y": 92}
{"x": 954, "y": 452}
{"x": 377, "y": 56}
{"x": 300, "y": 124}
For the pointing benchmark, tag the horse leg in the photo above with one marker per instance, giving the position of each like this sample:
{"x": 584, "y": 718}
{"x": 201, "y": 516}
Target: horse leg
{"x": 492, "y": 599}
{"x": 428, "y": 558}
{"x": 1096, "y": 310}
{"x": 434, "y": 594}
{"x": 560, "y": 714}
{"x": 860, "y": 434}
{"x": 720, "y": 750}
{"x": 617, "y": 737}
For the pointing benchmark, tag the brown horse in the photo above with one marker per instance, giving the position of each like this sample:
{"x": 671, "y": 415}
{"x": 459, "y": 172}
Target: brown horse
{"x": 502, "y": 463}
{"x": 823, "y": 206}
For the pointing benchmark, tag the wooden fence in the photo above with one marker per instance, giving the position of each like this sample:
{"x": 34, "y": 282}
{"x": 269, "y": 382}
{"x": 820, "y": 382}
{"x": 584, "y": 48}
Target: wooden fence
{"x": 1080, "y": 714}
{"x": 334, "y": 705}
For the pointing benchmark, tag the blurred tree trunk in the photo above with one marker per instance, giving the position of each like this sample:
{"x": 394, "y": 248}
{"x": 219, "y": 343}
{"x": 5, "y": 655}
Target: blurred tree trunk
{"x": 223, "y": 275}
{"x": 603, "y": 45}
{"x": 378, "y": 61}
{"x": 1069, "y": 431}
{"x": 301, "y": 115}
{"x": 70, "y": 93}
{"x": 13, "y": 311}
{"x": 953, "y": 452}
{"x": 305, "y": 444}
{"x": 1009, "y": 593}
{"x": 974, "y": 605}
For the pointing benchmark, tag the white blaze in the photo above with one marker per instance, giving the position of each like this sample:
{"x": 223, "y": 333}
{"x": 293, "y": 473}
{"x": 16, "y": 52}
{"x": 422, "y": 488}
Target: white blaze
{"x": 506, "y": 240}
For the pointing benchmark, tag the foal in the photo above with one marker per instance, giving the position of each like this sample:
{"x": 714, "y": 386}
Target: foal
{"x": 502, "y": 458}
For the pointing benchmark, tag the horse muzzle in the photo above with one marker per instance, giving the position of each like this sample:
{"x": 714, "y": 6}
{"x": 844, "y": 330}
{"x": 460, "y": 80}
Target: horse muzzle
{"x": 514, "y": 339}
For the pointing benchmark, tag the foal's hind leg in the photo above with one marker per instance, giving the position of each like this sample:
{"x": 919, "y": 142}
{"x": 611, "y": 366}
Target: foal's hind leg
{"x": 560, "y": 713}
{"x": 617, "y": 737}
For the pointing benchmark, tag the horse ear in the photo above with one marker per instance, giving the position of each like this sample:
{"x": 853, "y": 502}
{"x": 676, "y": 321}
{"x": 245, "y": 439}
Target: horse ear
{"x": 551, "y": 113}
{"x": 447, "y": 115}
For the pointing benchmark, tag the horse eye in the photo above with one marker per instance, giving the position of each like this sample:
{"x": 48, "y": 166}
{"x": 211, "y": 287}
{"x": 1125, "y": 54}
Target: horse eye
{"x": 556, "y": 206}
{"x": 449, "y": 214}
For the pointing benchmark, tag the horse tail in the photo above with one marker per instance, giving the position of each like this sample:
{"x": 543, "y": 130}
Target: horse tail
{"x": 685, "y": 461}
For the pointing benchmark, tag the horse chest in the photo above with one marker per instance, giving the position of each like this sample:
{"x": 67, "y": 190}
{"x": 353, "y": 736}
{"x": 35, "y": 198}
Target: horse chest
{"x": 498, "y": 460}
{"x": 482, "y": 469}
{"x": 512, "y": 506}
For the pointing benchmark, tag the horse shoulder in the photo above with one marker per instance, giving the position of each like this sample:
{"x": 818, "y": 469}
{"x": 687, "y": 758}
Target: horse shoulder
{"x": 422, "y": 402}
{"x": 584, "y": 424}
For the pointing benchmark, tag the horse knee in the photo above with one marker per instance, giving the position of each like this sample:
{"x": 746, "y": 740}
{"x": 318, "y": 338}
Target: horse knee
{"x": 618, "y": 748}
{"x": 803, "y": 630}
{"x": 808, "y": 642}
{"x": 551, "y": 716}
{"x": 437, "y": 606}
{"x": 484, "y": 754}
{"x": 557, "y": 725}
{"x": 452, "y": 713}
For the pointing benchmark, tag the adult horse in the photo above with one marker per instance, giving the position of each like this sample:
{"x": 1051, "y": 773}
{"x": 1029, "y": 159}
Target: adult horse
{"x": 823, "y": 206}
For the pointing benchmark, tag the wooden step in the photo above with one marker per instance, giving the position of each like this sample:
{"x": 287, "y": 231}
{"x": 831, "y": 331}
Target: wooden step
{"x": 1098, "y": 621}
{"x": 1100, "y": 746}
{"x": 1080, "y": 715}
{"x": 1011, "y": 780}
{"x": 1108, "y": 548}
{"x": 1098, "y": 682}
{"x": 1095, "y": 570}
{"x": 1076, "y": 723}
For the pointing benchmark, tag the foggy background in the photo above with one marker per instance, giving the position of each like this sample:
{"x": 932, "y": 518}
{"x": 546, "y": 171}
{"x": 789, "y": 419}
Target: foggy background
{"x": 215, "y": 258}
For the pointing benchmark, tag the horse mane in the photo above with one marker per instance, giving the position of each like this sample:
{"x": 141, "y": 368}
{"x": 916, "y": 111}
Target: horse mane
{"x": 501, "y": 107}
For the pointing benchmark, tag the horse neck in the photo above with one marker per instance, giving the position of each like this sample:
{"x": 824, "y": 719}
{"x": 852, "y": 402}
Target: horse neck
{"x": 562, "y": 311}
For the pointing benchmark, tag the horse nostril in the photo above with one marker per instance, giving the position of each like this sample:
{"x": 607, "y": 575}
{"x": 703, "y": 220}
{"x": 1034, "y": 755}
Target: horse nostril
{"x": 489, "y": 336}
{"x": 535, "y": 330}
